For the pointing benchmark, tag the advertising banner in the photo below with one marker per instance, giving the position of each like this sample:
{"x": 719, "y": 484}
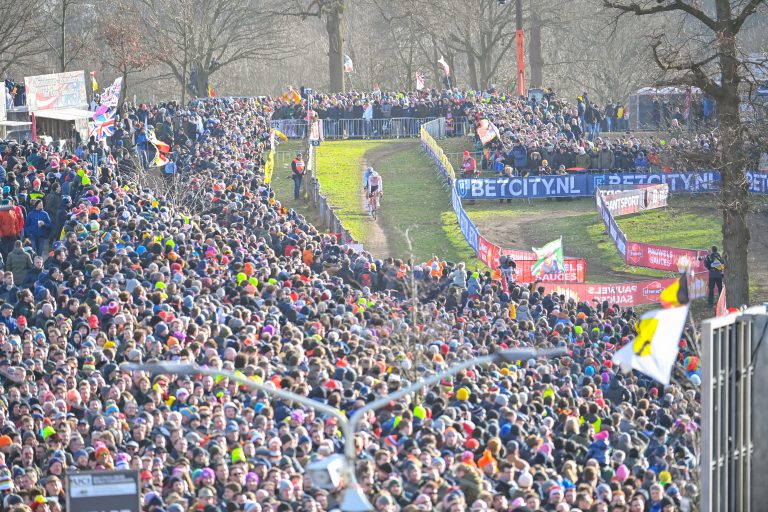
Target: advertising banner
{"x": 617, "y": 235}
{"x": 661, "y": 257}
{"x": 59, "y": 90}
{"x": 583, "y": 185}
{"x": 488, "y": 252}
{"x": 97, "y": 491}
{"x": 623, "y": 294}
{"x": 516, "y": 188}
{"x": 575, "y": 272}
{"x": 468, "y": 229}
{"x": 625, "y": 202}
{"x": 656, "y": 196}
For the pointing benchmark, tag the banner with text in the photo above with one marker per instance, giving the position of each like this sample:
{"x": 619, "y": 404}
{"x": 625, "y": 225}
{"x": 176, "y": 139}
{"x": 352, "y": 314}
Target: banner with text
{"x": 58, "y": 90}
{"x": 584, "y": 185}
{"x": 575, "y": 272}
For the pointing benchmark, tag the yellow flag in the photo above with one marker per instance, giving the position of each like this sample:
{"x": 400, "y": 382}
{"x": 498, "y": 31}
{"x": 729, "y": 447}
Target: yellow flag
{"x": 655, "y": 347}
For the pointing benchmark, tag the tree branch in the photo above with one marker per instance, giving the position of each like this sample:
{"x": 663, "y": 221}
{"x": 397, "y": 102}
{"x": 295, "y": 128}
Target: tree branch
{"x": 675, "y": 5}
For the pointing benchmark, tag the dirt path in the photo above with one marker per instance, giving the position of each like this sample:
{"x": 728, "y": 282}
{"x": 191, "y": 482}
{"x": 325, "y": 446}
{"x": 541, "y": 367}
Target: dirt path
{"x": 377, "y": 243}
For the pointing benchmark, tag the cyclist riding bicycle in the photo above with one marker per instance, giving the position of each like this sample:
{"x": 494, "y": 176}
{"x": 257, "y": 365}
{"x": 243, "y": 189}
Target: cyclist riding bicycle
{"x": 374, "y": 187}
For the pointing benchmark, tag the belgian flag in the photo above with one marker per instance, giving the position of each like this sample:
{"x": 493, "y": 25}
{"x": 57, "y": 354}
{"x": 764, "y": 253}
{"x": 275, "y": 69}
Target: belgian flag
{"x": 675, "y": 294}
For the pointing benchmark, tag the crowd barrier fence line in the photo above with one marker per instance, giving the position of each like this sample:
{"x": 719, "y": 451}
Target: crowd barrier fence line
{"x": 386, "y": 128}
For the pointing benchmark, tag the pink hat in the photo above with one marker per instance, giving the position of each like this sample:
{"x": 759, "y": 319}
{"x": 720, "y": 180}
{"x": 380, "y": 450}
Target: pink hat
{"x": 622, "y": 473}
{"x": 601, "y": 436}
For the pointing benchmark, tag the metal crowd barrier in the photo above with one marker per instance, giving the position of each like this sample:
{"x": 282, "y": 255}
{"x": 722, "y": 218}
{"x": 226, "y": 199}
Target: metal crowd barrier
{"x": 387, "y": 128}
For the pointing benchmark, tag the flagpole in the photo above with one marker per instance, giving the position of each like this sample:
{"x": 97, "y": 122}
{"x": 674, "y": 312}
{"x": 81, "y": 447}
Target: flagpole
{"x": 694, "y": 342}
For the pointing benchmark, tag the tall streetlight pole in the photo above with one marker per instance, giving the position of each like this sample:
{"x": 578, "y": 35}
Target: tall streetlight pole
{"x": 354, "y": 499}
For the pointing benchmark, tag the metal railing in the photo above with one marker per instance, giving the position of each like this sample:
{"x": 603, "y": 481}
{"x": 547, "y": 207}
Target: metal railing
{"x": 457, "y": 159}
{"x": 386, "y": 128}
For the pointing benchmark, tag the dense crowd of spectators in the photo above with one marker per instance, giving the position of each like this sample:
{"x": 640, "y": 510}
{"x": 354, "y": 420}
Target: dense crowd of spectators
{"x": 551, "y": 136}
{"x": 100, "y": 269}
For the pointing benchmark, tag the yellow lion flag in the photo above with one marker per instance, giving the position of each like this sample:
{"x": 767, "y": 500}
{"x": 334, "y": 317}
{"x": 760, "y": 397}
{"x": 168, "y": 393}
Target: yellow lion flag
{"x": 655, "y": 347}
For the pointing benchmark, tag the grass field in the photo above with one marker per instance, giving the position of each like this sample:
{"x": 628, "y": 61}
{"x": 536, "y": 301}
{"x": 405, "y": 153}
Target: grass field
{"x": 414, "y": 197}
{"x": 688, "y": 222}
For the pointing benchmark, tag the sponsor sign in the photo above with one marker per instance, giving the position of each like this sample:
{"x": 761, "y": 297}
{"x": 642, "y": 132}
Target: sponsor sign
{"x": 468, "y": 229}
{"x": 488, "y": 252}
{"x": 625, "y": 202}
{"x": 623, "y": 294}
{"x": 98, "y": 491}
{"x": 59, "y": 90}
{"x": 656, "y": 196}
{"x": 575, "y": 272}
{"x": 584, "y": 185}
{"x": 661, "y": 257}
{"x": 511, "y": 188}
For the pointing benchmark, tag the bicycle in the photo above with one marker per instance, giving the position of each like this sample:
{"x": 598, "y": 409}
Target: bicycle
{"x": 373, "y": 204}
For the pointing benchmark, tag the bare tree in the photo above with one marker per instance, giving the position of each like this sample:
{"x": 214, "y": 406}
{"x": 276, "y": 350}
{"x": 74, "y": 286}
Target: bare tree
{"x": 72, "y": 37}
{"x": 20, "y": 33}
{"x": 483, "y": 34}
{"x": 709, "y": 58}
{"x": 124, "y": 47}
{"x": 197, "y": 38}
{"x": 331, "y": 13}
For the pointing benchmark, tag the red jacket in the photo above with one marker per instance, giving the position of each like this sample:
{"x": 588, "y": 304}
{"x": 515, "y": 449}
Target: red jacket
{"x": 11, "y": 222}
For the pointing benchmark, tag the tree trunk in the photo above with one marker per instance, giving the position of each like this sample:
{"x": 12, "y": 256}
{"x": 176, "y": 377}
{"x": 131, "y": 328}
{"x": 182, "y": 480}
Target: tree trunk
{"x": 63, "y": 41}
{"x": 734, "y": 185}
{"x": 335, "y": 50}
{"x": 202, "y": 81}
{"x": 536, "y": 54}
{"x": 472, "y": 69}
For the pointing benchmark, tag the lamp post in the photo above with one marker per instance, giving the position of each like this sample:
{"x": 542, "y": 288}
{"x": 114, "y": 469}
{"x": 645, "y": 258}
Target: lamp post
{"x": 354, "y": 499}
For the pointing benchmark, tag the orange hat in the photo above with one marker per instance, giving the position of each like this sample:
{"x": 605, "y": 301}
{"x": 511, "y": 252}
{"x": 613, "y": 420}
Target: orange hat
{"x": 5, "y": 441}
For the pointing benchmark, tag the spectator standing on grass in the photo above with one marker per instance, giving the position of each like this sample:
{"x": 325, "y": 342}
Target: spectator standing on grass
{"x": 715, "y": 264}
{"x": 469, "y": 166}
{"x": 297, "y": 173}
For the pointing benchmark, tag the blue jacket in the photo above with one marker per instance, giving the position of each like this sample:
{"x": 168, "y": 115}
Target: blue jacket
{"x": 599, "y": 450}
{"x": 520, "y": 155}
{"x": 31, "y": 227}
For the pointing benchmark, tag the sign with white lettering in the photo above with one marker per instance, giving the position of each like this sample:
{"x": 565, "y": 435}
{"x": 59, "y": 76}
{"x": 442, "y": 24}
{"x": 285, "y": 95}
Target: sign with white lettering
{"x": 103, "y": 491}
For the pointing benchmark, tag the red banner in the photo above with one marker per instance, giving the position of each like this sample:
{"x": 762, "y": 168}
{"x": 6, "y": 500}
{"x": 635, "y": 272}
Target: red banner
{"x": 623, "y": 294}
{"x": 575, "y": 272}
{"x": 661, "y": 257}
{"x": 488, "y": 252}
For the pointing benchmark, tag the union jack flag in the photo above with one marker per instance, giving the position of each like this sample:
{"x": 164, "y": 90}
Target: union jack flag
{"x": 103, "y": 125}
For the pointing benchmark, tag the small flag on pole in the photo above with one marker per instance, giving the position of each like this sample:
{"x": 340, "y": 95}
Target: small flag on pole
{"x": 655, "y": 347}
{"x": 111, "y": 95}
{"x": 675, "y": 294}
{"x": 94, "y": 83}
{"x": 419, "y": 81}
{"x": 549, "y": 259}
{"x": 487, "y": 131}
{"x": 446, "y": 69}
{"x": 348, "y": 66}
{"x": 161, "y": 158}
{"x": 103, "y": 125}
